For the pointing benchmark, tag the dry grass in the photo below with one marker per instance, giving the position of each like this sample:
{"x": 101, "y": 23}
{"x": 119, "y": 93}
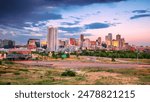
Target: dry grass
{"x": 34, "y": 75}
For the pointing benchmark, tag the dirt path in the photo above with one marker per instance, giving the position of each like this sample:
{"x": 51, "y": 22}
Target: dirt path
{"x": 78, "y": 64}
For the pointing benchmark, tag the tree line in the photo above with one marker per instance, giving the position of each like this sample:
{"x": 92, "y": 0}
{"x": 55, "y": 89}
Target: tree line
{"x": 114, "y": 54}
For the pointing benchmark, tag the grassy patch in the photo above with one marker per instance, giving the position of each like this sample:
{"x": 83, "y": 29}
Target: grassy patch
{"x": 4, "y": 71}
{"x": 107, "y": 81}
{"x": 5, "y": 83}
{"x": 80, "y": 78}
{"x": 116, "y": 70}
{"x": 145, "y": 80}
{"x": 8, "y": 62}
{"x": 17, "y": 73}
{"x": 24, "y": 70}
{"x": 48, "y": 73}
{"x": 44, "y": 82}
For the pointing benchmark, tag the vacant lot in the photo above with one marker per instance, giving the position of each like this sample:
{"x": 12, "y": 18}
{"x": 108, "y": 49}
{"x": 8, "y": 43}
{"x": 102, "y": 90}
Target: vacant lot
{"x": 44, "y": 73}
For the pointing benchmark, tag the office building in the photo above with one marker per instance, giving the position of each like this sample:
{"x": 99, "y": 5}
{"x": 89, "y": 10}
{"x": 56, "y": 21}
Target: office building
{"x": 43, "y": 44}
{"x": 122, "y": 43}
{"x": 108, "y": 40}
{"x": 72, "y": 41}
{"x": 8, "y": 44}
{"x": 87, "y": 44}
{"x": 52, "y": 39}
{"x": 33, "y": 44}
{"x": 99, "y": 40}
{"x": 118, "y": 37}
{"x": 1, "y": 43}
{"x": 115, "y": 43}
{"x": 93, "y": 45}
{"x": 82, "y": 37}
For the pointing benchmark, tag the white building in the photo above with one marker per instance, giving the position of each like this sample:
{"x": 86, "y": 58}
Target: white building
{"x": 52, "y": 39}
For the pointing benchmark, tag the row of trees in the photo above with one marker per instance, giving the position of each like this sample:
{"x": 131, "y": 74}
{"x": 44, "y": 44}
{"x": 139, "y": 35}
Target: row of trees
{"x": 53, "y": 54}
{"x": 115, "y": 54}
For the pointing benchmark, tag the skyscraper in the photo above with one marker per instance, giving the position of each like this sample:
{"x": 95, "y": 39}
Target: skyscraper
{"x": 118, "y": 37}
{"x": 108, "y": 40}
{"x": 99, "y": 40}
{"x": 52, "y": 42}
{"x": 115, "y": 43}
{"x": 82, "y": 37}
{"x": 110, "y": 36}
{"x": 1, "y": 43}
{"x": 81, "y": 40}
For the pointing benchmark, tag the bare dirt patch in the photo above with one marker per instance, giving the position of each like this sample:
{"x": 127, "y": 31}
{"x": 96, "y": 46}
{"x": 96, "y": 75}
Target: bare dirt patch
{"x": 108, "y": 78}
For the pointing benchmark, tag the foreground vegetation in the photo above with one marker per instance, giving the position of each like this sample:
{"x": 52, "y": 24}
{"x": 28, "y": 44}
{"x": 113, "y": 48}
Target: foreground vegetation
{"x": 18, "y": 74}
{"x": 115, "y": 54}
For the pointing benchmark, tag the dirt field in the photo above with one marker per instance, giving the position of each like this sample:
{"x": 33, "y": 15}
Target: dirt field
{"x": 81, "y": 64}
{"x": 87, "y": 72}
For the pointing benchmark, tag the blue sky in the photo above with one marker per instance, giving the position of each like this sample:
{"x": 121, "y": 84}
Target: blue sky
{"x": 24, "y": 19}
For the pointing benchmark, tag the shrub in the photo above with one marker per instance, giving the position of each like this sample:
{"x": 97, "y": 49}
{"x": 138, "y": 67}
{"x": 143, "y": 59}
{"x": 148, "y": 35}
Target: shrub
{"x": 68, "y": 73}
{"x": 16, "y": 73}
{"x": 113, "y": 59}
{"x": 9, "y": 62}
{"x": 0, "y": 62}
{"x": 8, "y": 83}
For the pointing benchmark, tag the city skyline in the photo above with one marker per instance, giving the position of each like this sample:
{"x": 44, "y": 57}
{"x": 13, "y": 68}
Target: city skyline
{"x": 93, "y": 18}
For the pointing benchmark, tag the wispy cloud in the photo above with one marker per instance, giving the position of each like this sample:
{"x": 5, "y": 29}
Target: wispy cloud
{"x": 71, "y": 29}
{"x": 139, "y": 16}
{"x": 70, "y": 24}
{"x": 140, "y": 11}
{"x": 96, "y": 26}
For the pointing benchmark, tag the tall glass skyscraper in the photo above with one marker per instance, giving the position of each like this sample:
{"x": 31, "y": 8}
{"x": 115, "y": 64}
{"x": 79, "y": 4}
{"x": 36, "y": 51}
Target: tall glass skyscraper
{"x": 52, "y": 39}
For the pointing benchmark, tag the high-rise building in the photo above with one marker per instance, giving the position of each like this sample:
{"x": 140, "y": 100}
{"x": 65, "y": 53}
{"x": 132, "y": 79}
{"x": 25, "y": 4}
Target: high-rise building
{"x": 1, "y": 43}
{"x": 33, "y": 44}
{"x": 99, "y": 40}
{"x": 115, "y": 43}
{"x": 122, "y": 44}
{"x": 8, "y": 44}
{"x": 77, "y": 42}
{"x": 44, "y": 44}
{"x": 118, "y": 37}
{"x": 93, "y": 45}
{"x": 110, "y": 36}
{"x": 61, "y": 44}
{"x": 81, "y": 40}
{"x": 82, "y": 37}
{"x": 87, "y": 43}
{"x": 72, "y": 41}
{"x": 120, "y": 40}
{"x": 108, "y": 40}
{"x": 52, "y": 39}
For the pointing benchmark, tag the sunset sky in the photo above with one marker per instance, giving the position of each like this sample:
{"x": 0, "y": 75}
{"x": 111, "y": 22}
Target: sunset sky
{"x": 24, "y": 19}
